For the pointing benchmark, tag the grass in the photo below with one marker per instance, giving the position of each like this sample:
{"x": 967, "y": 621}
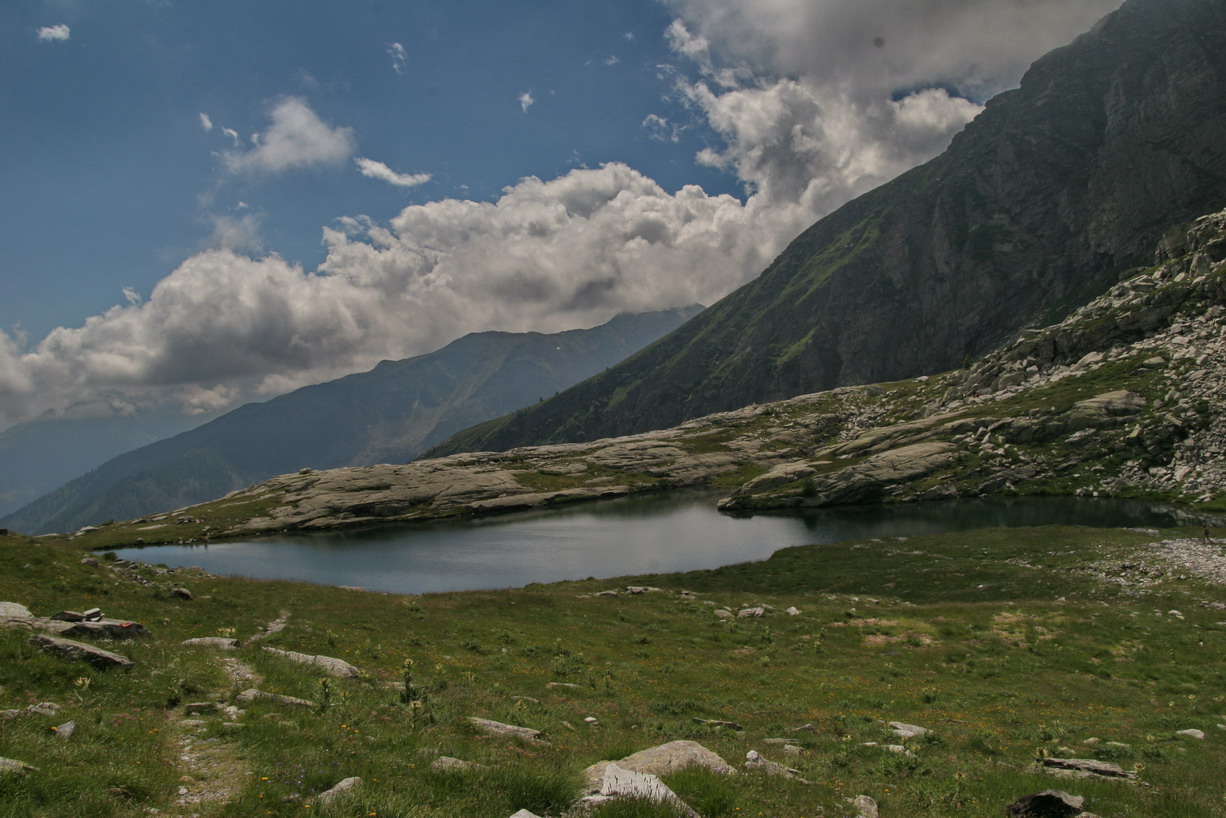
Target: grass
{"x": 1007, "y": 643}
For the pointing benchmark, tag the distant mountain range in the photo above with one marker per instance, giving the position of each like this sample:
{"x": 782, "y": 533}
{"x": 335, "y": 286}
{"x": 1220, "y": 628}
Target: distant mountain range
{"x": 1032, "y": 211}
{"x": 387, "y": 415}
{"x": 44, "y": 454}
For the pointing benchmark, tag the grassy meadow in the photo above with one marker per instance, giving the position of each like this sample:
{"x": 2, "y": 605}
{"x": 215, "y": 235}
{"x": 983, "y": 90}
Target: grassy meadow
{"x": 1007, "y": 644}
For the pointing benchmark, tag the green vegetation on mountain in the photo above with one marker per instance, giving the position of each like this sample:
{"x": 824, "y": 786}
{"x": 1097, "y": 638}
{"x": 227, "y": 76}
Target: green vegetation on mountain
{"x": 387, "y": 415}
{"x": 1034, "y": 209}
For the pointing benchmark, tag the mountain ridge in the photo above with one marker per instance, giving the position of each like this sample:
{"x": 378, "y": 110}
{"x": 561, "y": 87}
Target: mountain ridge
{"x": 387, "y": 414}
{"x": 1033, "y": 209}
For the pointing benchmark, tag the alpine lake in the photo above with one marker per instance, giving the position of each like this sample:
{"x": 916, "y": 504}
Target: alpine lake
{"x": 654, "y": 533}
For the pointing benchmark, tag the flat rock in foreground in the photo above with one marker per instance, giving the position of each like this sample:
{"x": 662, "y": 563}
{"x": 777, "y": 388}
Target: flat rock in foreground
{"x": 80, "y": 652}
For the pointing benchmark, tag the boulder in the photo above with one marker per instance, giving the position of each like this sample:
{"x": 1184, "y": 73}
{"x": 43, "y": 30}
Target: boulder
{"x": 904, "y": 730}
{"x": 328, "y": 664}
{"x": 864, "y": 806}
{"x": 1046, "y": 804}
{"x": 80, "y": 652}
{"x": 65, "y": 730}
{"x": 344, "y": 786}
{"x": 661, "y": 760}
{"x": 14, "y": 610}
{"x": 621, "y": 783}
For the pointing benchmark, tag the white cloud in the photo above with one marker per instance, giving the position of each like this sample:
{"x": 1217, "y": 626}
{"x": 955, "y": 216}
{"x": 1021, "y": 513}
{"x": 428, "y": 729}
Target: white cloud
{"x": 809, "y": 111}
{"x": 612, "y": 59}
{"x": 206, "y": 122}
{"x": 399, "y": 57}
{"x": 54, "y": 34}
{"x": 132, "y": 296}
{"x": 233, "y": 134}
{"x": 297, "y": 138}
{"x": 661, "y": 130}
{"x": 378, "y": 170}
{"x": 547, "y": 255}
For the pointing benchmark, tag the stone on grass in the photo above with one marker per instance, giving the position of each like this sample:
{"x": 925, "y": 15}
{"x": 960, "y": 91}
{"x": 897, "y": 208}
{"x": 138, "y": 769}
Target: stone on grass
{"x": 723, "y": 613}
{"x": 328, "y": 664}
{"x": 904, "y": 730}
{"x": 11, "y": 766}
{"x": 220, "y": 642}
{"x": 793, "y": 611}
{"x": 620, "y": 783}
{"x": 717, "y": 723}
{"x": 200, "y": 708}
{"x": 755, "y": 761}
{"x": 1085, "y": 768}
{"x": 1046, "y": 804}
{"x": 523, "y": 813}
{"x": 66, "y": 729}
{"x": 80, "y": 652}
{"x": 68, "y": 616}
{"x": 344, "y": 786}
{"x": 497, "y": 728}
{"x": 661, "y": 760}
{"x": 864, "y": 806}
{"x": 751, "y": 613}
{"x": 44, "y": 709}
{"x": 14, "y": 610}
{"x": 181, "y": 593}
{"x": 447, "y": 764}
{"x": 1191, "y": 733}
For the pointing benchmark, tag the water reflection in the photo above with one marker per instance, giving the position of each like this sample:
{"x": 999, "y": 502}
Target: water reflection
{"x": 647, "y": 534}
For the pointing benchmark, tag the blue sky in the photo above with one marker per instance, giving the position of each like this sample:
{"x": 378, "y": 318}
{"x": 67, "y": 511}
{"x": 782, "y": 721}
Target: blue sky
{"x": 212, "y": 202}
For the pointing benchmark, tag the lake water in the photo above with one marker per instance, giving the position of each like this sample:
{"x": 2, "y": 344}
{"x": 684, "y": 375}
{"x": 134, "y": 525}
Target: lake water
{"x": 633, "y": 535}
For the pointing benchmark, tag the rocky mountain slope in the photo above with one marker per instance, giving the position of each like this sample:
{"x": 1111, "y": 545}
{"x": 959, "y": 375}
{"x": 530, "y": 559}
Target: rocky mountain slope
{"x": 1031, "y": 212}
{"x": 1122, "y": 398}
{"x": 387, "y": 415}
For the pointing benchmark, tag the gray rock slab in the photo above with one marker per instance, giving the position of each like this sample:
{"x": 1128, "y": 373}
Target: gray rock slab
{"x": 619, "y": 783}
{"x": 80, "y": 652}
{"x": 864, "y": 806}
{"x": 342, "y": 787}
{"x": 11, "y": 766}
{"x": 497, "y": 728}
{"x": 328, "y": 664}
{"x": 66, "y": 729}
{"x": 447, "y": 764}
{"x": 1085, "y": 768}
{"x": 904, "y": 730}
{"x": 14, "y": 610}
{"x": 661, "y": 760}
{"x": 219, "y": 642}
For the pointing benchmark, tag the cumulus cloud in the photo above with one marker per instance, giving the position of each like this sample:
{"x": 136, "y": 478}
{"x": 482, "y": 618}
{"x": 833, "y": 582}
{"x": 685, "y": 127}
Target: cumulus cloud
{"x": 378, "y": 170}
{"x": 819, "y": 102}
{"x": 812, "y": 103}
{"x": 399, "y": 56}
{"x": 54, "y": 34}
{"x": 296, "y": 138}
{"x": 546, "y": 255}
{"x": 206, "y": 122}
